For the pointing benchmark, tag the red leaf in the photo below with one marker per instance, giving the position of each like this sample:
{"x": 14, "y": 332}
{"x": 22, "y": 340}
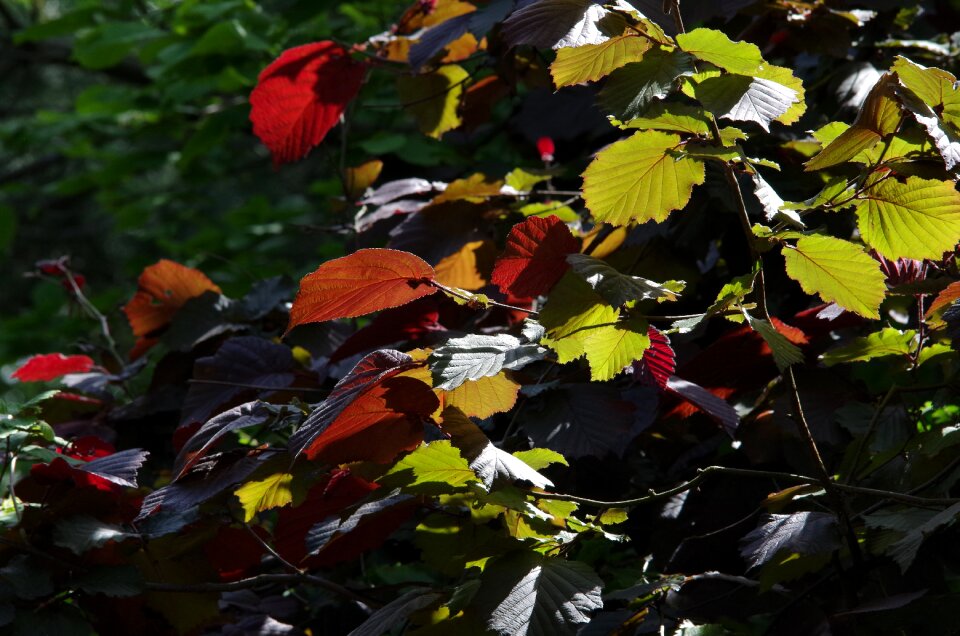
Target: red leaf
{"x": 378, "y": 425}
{"x": 235, "y": 552}
{"x": 363, "y": 282}
{"x": 163, "y": 288}
{"x": 300, "y": 97}
{"x": 535, "y": 256}
{"x": 50, "y": 366}
{"x": 658, "y": 362}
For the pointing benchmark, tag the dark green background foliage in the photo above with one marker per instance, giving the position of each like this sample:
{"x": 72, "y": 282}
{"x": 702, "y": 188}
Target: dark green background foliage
{"x": 125, "y": 138}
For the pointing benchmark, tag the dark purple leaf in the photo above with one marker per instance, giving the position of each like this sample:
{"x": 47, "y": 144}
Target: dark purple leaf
{"x": 241, "y": 364}
{"x": 321, "y": 534}
{"x": 801, "y": 532}
{"x": 707, "y": 402}
{"x": 578, "y": 420}
{"x": 249, "y": 414}
{"x": 120, "y": 468}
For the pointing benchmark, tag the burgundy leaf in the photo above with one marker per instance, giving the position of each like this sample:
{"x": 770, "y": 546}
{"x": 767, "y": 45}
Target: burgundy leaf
{"x": 535, "y": 257}
{"x": 408, "y": 323}
{"x": 716, "y": 408}
{"x": 659, "y": 361}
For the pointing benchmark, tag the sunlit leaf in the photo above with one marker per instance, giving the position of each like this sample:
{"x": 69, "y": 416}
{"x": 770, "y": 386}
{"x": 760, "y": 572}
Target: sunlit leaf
{"x": 640, "y": 178}
{"x": 534, "y": 257}
{"x": 265, "y": 494}
{"x": 591, "y": 62}
{"x": 363, "y": 282}
{"x": 886, "y": 342}
{"x": 630, "y": 89}
{"x": 611, "y": 348}
{"x": 715, "y": 47}
{"x": 617, "y": 288}
{"x": 438, "y": 462}
{"x": 476, "y": 356}
{"x": 801, "y": 532}
{"x": 837, "y": 271}
{"x": 434, "y": 98}
{"x": 162, "y": 289}
{"x": 300, "y": 96}
{"x": 50, "y": 366}
{"x": 744, "y": 98}
{"x": 561, "y": 23}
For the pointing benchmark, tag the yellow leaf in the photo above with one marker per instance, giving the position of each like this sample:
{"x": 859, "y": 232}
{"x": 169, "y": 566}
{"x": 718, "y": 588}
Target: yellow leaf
{"x": 434, "y": 98}
{"x": 272, "y": 492}
{"x": 588, "y": 63}
{"x": 468, "y": 268}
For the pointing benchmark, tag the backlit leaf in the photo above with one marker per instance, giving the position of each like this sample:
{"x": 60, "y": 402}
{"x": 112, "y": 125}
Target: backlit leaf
{"x": 434, "y": 98}
{"x": 878, "y": 117}
{"x": 611, "y": 348}
{"x": 265, "y": 494}
{"x": 469, "y": 268}
{"x": 936, "y": 87}
{"x": 591, "y": 62}
{"x": 886, "y": 342}
{"x": 572, "y": 310}
{"x": 529, "y": 594}
{"x": 50, "y": 366}
{"x": 363, "y": 282}
{"x": 438, "y": 462}
{"x": 484, "y": 397}
{"x": 300, "y": 96}
{"x": 681, "y": 118}
{"x": 785, "y": 353}
{"x": 162, "y": 289}
{"x": 917, "y": 218}
{"x": 630, "y": 89}
{"x": 715, "y": 47}
{"x": 659, "y": 361}
{"x": 640, "y": 178}
{"x": 837, "y": 271}
{"x": 534, "y": 257}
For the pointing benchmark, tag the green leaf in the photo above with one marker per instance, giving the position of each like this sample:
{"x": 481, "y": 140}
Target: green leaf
{"x": 434, "y": 98}
{"x": 879, "y": 116}
{"x": 611, "y": 348}
{"x": 886, "y": 342}
{"x": 918, "y": 218}
{"x": 681, "y": 118}
{"x": 529, "y": 594}
{"x": 540, "y": 458}
{"x": 744, "y": 98}
{"x": 616, "y": 288}
{"x": 436, "y": 462}
{"x": 785, "y": 353}
{"x": 630, "y": 89}
{"x": 715, "y": 47}
{"x": 838, "y": 271}
{"x": 935, "y": 120}
{"x": 935, "y": 87}
{"x": 593, "y": 61}
{"x": 640, "y": 179}
{"x": 110, "y": 43}
{"x": 571, "y": 312}
{"x": 477, "y": 356}
{"x": 265, "y": 494}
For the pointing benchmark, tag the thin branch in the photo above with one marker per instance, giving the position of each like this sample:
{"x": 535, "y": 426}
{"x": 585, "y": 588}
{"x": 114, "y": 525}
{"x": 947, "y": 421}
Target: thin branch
{"x": 472, "y": 299}
{"x": 922, "y": 502}
{"x": 259, "y": 387}
{"x": 262, "y": 579}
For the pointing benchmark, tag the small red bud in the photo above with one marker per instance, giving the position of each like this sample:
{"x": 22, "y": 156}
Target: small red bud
{"x": 546, "y": 148}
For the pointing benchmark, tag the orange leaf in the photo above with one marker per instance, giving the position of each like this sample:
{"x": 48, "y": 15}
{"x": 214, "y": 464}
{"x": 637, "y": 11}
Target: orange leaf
{"x": 378, "y": 425}
{"x": 943, "y": 299}
{"x": 163, "y": 288}
{"x": 363, "y": 282}
{"x": 468, "y": 268}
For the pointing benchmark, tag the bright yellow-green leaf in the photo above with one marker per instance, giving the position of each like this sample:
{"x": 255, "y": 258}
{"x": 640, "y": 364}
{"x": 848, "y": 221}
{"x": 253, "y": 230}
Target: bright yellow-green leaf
{"x": 919, "y": 218}
{"x": 613, "y": 516}
{"x": 879, "y": 116}
{"x": 523, "y": 181}
{"x": 434, "y": 98}
{"x": 265, "y": 494}
{"x": 681, "y": 118}
{"x": 935, "y": 87}
{"x": 838, "y": 271}
{"x": 436, "y": 462}
{"x": 591, "y": 62}
{"x": 611, "y": 348}
{"x": 886, "y": 342}
{"x": 484, "y": 397}
{"x": 715, "y": 47}
{"x": 640, "y": 178}
{"x": 572, "y": 311}
{"x": 540, "y": 458}
{"x": 555, "y": 208}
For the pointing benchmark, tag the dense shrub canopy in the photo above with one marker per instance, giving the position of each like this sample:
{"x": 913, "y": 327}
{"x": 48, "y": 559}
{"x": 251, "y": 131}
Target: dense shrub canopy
{"x": 536, "y": 317}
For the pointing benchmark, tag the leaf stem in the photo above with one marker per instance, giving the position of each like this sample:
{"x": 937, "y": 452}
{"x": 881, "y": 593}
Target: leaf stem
{"x": 263, "y": 579}
{"x": 473, "y": 299}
